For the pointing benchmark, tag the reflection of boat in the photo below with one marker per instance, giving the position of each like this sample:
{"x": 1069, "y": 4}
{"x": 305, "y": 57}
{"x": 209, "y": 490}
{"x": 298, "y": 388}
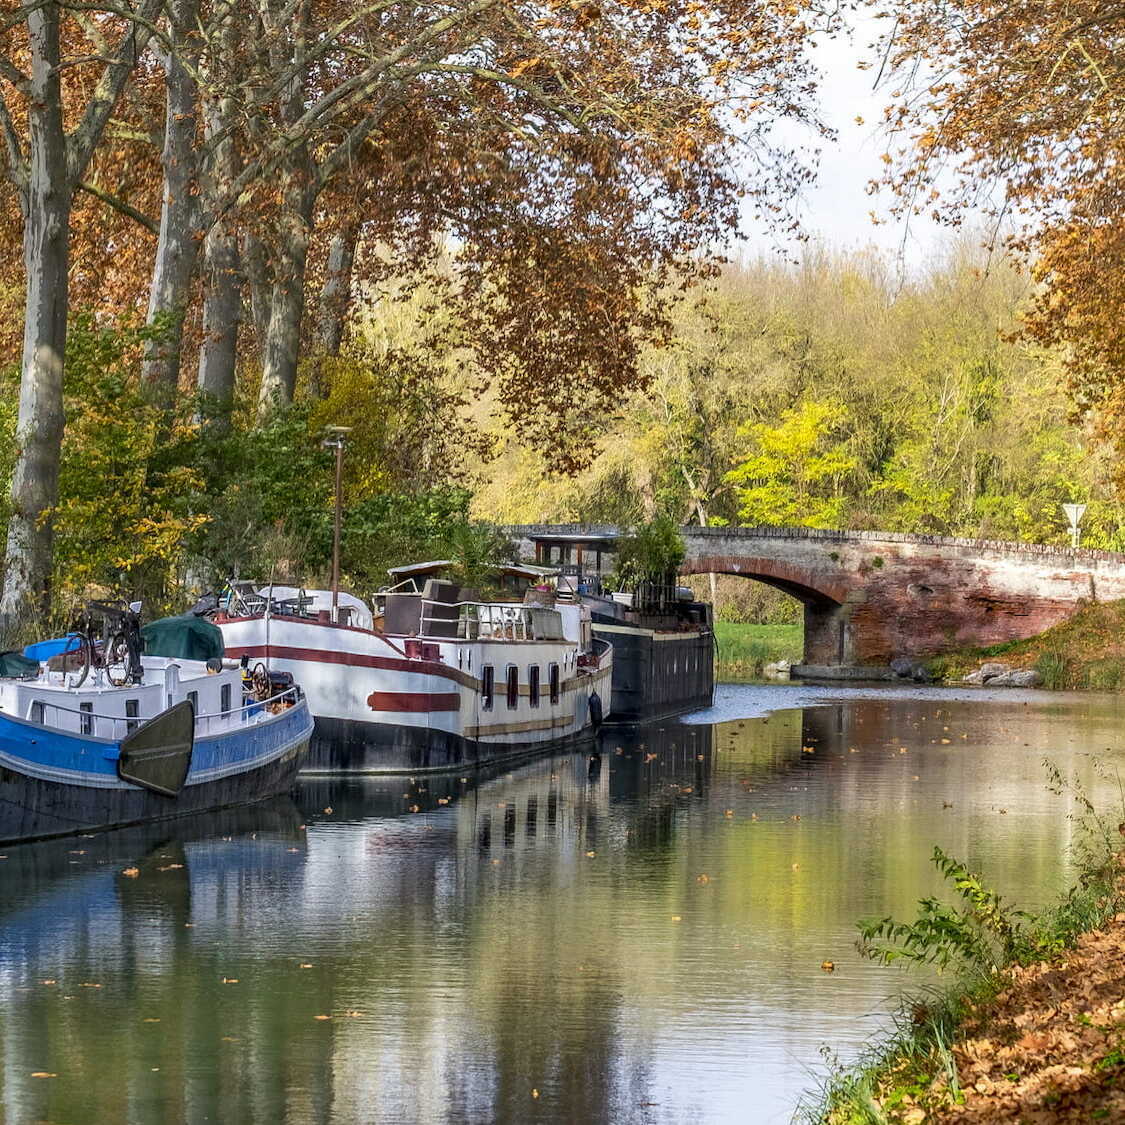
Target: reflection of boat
{"x": 147, "y": 738}
{"x": 448, "y": 681}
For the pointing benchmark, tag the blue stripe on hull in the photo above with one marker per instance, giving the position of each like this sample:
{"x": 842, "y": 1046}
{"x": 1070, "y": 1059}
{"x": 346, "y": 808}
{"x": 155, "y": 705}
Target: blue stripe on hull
{"x": 54, "y": 784}
{"x": 70, "y": 759}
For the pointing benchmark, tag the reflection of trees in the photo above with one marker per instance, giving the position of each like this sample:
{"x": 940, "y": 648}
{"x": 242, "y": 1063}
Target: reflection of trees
{"x": 488, "y": 953}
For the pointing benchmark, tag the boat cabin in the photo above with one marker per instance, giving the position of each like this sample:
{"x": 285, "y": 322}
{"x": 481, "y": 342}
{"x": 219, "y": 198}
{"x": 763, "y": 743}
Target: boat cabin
{"x": 102, "y": 710}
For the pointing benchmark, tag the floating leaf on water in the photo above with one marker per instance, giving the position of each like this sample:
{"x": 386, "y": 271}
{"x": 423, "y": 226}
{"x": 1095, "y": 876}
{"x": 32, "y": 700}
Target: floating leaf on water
{"x": 131, "y": 872}
{"x": 703, "y": 880}
{"x": 43, "y": 1074}
{"x": 50, "y": 980}
{"x": 230, "y": 980}
{"x": 322, "y": 1017}
{"x": 89, "y": 984}
{"x": 151, "y": 1019}
{"x": 728, "y": 812}
{"x": 328, "y": 811}
{"x": 677, "y": 918}
{"x": 304, "y": 965}
{"x": 534, "y": 1092}
{"x": 828, "y": 966}
{"x": 590, "y": 855}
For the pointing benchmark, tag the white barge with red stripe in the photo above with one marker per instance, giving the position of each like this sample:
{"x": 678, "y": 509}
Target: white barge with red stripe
{"x": 446, "y": 683}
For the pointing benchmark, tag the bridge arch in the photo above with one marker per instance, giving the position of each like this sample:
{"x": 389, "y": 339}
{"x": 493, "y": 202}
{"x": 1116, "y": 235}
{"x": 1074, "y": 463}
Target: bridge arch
{"x": 826, "y": 634}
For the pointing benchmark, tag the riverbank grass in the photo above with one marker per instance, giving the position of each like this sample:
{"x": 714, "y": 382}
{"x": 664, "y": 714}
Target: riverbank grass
{"x": 980, "y": 1045}
{"x": 1087, "y": 651}
{"x": 744, "y": 650}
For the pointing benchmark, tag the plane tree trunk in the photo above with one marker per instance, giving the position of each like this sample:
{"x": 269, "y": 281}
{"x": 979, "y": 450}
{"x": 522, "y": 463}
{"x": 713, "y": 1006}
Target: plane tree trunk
{"x": 177, "y": 249}
{"x": 45, "y": 198}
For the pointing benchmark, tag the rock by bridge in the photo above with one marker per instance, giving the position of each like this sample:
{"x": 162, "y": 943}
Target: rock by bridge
{"x": 870, "y": 596}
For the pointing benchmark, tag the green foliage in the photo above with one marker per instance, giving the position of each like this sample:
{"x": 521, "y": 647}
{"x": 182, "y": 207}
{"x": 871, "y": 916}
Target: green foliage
{"x": 795, "y": 470}
{"x": 982, "y": 934}
{"x": 742, "y": 651}
{"x": 476, "y": 549}
{"x": 650, "y": 552}
{"x": 128, "y": 475}
{"x": 835, "y": 393}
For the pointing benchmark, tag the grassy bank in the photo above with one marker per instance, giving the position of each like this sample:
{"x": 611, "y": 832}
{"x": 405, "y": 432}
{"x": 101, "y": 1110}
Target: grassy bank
{"x": 743, "y": 650}
{"x": 1033, "y": 1029}
{"x": 1085, "y": 651}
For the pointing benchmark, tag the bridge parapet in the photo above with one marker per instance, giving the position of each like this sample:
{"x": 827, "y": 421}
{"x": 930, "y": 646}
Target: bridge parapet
{"x": 872, "y": 595}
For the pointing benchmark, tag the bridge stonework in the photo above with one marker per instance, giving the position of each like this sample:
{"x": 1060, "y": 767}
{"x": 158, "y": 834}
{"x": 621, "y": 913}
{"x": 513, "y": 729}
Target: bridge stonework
{"x": 870, "y": 596}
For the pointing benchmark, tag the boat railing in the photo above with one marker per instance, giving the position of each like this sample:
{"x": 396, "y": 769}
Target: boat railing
{"x": 116, "y": 727}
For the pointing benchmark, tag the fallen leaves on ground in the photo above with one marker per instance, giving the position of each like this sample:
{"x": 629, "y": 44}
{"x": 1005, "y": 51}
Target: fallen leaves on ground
{"x": 1049, "y": 1049}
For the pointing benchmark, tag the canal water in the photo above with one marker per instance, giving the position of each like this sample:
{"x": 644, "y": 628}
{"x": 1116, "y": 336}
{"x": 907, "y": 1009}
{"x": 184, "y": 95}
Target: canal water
{"x": 635, "y": 937}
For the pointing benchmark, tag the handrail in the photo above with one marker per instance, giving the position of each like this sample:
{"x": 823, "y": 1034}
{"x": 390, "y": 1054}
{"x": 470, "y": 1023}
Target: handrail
{"x": 235, "y": 715}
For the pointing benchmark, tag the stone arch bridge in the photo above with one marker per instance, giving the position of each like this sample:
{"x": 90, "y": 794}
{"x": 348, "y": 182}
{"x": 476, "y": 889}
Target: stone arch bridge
{"x": 870, "y": 596}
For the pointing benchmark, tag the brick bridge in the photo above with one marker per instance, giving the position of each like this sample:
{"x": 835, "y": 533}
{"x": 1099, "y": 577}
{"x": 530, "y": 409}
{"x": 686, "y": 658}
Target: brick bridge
{"x": 870, "y": 596}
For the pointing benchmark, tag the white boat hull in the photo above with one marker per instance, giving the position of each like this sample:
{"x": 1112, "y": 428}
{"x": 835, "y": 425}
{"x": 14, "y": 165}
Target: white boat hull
{"x": 379, "y": 710}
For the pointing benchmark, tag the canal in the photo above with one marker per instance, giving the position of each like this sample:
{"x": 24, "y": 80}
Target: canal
{"x": 636, "y": 937}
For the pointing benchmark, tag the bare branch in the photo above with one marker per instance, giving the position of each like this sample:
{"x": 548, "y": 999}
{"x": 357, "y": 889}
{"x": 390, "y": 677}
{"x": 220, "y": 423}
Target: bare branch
{"x": 119, "y": 204}
{"x": 14, "y": 75}
{"x": 81, "y": 143}
{"x": 17, "y": 166}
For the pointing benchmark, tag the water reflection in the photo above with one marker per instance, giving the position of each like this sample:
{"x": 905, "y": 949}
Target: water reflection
{"x": 628, "y": 936}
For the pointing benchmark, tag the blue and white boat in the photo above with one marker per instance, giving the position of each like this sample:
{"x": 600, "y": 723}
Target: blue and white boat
{"x": 85, "y": 752}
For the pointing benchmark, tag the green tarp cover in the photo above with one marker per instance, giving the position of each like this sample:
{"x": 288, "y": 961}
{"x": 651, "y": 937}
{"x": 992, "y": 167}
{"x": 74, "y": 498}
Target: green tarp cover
{"x": 186, "y": 637}
{"x": 16, "y": 664}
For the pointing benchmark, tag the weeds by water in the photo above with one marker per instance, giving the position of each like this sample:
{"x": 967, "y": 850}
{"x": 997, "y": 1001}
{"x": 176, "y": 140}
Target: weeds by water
{"x": 913, "y": 1069}
{"x": 744, "y": 650}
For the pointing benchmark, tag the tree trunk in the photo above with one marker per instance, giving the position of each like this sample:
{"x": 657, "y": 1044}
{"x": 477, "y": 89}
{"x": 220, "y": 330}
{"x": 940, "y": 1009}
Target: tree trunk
{"x": 222, "y": 289}
{"x": 283, "y": 333}
{"x": 222, "y": 315}
{"x": 177, "y": 249}
{"x": 335, "y": 296}
{"x": 45, "y": 200}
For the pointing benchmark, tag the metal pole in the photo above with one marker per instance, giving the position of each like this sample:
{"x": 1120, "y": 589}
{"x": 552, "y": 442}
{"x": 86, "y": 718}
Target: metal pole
{"x": 336, "y": 534}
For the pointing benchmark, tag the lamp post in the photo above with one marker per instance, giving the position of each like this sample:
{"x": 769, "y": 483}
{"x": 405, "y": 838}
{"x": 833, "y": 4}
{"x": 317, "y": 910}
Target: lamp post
{"x": 334, "y": 439}
{"x": 1074, "y": 513}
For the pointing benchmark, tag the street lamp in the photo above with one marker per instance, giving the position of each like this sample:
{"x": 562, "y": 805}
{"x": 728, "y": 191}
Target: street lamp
{"x": 334, "y": 438}
{"x": 1074, "y": 513}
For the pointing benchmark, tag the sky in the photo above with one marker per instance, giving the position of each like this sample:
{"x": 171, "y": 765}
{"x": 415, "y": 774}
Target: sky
{"x": 836, "y": 211}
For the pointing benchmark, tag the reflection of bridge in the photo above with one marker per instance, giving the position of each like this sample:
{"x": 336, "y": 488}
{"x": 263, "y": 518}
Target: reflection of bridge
{"x": 872, "y": 595}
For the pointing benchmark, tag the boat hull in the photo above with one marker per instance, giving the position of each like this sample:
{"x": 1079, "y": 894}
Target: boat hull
{"x": 34, "y": 806}
{"x": 351, "y": 746}
{"x": 379, "y": 711}
{"x": 657, "y": 675}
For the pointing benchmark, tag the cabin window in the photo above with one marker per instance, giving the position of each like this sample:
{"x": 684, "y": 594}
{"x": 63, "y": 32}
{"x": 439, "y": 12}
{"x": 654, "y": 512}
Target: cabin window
{"x": 193, "y": 699}
{"x": 87, "y": 717}
{"x": 487, "y": 684}
{"x": 37, "y": 711}
{"x": 224, "y": 698}
{"x": 533, "y": 684}
{"x": 513, "y": 687}
{"x": 132, "y": 712}
{"x": 553, "y": 680}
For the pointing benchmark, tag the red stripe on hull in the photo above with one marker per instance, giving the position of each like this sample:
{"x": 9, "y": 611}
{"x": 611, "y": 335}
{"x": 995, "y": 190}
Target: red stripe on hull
{"x": 351, "y": 659}
{"x": 413, "y": 701}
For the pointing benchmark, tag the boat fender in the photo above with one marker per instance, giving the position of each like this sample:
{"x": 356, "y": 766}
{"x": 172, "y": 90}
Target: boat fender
{"x": 595, "y": 709}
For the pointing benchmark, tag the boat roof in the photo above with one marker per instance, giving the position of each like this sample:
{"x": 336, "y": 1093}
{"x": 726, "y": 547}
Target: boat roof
{"x": 586, "y": 538}
{"x": 417, "y": 570}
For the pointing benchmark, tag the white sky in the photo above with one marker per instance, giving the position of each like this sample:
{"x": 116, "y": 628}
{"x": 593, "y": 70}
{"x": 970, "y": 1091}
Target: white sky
{"x": 836, "y": 211}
